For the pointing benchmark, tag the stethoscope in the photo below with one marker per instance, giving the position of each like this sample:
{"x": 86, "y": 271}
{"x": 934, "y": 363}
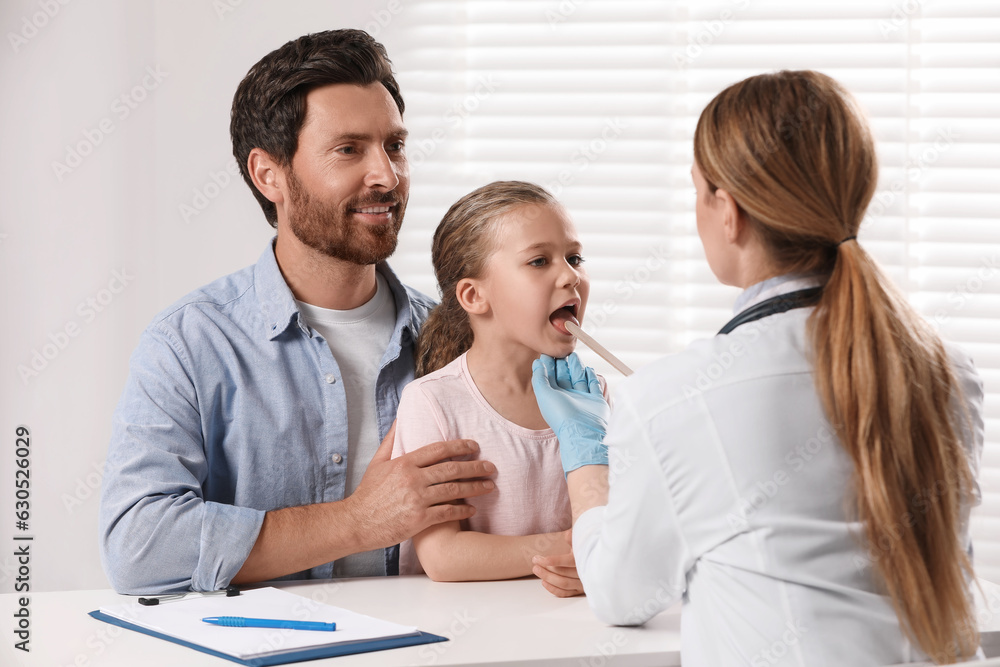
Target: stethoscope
{"x": 773, "y": 306}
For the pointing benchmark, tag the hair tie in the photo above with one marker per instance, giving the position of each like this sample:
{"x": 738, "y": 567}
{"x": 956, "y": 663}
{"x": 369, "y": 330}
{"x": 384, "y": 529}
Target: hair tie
{"x": 849, "y": 238}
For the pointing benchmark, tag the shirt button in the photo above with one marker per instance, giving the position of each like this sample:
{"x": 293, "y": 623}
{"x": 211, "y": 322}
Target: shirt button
{"x": 337, "y": 458}
{"x": 330, "y": 379}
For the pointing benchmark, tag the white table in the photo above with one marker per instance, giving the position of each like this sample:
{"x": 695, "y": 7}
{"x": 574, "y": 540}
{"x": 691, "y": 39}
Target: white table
{"x": 488, "y": 623}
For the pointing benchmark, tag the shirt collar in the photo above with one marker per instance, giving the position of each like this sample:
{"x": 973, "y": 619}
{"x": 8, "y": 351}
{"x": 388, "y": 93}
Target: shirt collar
{"x": 281, "y": 311}
{"x": 772, "y": 287}
{"x": 276, "y": 300}
{"x": 406, "y": 324}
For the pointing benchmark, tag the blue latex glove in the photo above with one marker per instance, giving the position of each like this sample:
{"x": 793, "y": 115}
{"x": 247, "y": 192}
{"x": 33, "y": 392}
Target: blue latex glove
{"x": 571, "y": 402}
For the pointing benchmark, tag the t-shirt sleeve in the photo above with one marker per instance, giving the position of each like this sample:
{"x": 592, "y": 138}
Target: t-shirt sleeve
{"x": 418, "y": 421}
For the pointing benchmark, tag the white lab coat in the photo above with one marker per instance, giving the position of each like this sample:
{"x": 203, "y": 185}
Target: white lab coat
{"x": 731, "y": 492}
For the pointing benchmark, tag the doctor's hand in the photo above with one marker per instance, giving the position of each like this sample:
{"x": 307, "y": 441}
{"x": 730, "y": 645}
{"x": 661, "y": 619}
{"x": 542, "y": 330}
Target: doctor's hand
{"x": 572, "y": 403}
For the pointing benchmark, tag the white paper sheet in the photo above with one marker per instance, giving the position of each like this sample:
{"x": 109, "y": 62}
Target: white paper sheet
{"x": 182, "y": 619}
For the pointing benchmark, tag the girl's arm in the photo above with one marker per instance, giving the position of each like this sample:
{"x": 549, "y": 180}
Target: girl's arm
{"x": 448, "y": 553}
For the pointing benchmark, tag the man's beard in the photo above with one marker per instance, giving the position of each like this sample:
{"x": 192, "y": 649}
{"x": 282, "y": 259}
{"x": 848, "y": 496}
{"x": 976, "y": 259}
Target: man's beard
{"x": 328, "y": 229}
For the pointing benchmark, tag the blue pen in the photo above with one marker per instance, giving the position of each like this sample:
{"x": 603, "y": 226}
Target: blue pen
{"x": 241, "y": 622}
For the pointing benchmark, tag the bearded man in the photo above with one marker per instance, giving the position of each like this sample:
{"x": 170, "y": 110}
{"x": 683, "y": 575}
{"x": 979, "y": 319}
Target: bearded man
{"x": 245, "y": 446}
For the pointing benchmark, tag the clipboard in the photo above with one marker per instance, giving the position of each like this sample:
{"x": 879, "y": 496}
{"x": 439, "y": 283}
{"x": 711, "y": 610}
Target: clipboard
{"x": 319, "y": 648}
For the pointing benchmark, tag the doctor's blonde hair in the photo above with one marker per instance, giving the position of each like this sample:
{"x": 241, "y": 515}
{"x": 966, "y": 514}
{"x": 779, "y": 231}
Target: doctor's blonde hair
{"x": 463, "y": 242}
{"x": 796, "y": 154}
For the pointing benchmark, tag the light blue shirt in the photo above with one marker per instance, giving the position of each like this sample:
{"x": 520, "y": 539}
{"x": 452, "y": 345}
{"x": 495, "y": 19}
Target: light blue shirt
{"x": 730, "y": 491}
{"x": 233, "y": 406}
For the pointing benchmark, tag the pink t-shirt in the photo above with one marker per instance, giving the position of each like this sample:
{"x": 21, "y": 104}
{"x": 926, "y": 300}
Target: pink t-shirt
{"x": 531, "y": 495}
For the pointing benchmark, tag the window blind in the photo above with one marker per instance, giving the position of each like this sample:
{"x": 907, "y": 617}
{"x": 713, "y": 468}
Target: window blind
{"x": 597, "y": 100}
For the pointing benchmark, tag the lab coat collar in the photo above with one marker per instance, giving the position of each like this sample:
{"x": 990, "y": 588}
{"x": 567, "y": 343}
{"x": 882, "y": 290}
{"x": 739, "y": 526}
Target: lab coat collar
{"x": 772, "y": 287}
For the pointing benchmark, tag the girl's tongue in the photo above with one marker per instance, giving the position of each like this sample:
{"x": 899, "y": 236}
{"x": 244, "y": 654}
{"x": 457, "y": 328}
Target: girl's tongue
{"x": 560, "y": 317}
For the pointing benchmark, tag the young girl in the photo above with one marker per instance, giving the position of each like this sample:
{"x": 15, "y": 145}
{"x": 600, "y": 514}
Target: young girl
{"x": 508, "y": 263}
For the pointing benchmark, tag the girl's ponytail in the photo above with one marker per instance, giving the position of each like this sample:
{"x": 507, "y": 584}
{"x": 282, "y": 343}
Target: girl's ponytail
{"x": 444, "y": 337}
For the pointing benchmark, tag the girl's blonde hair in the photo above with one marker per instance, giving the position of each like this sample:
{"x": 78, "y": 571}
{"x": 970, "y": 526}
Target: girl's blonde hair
{"x": 463, "y": 242}
{"x": 796, "y": 154}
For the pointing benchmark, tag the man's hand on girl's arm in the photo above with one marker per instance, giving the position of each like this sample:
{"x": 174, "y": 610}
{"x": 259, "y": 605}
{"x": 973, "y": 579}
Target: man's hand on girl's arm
{"x": 400, "y": 497}
{"x": 397, "y": 498}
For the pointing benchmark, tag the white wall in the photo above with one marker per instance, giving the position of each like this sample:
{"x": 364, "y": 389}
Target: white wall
{"x": 65, "y": 236}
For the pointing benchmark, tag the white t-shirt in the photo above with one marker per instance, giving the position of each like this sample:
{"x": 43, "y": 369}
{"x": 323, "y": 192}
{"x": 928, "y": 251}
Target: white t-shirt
{"x": 358, "y": 339}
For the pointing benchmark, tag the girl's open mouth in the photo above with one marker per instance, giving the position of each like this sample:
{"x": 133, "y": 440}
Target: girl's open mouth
{"x": 565, "y": 314}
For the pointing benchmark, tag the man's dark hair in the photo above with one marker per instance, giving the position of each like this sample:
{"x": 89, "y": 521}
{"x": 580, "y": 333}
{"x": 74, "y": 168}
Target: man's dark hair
{"x": 270, "y": 103}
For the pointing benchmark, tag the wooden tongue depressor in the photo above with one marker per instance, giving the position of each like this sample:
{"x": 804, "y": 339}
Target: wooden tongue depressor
{"x": 589, "y": 341}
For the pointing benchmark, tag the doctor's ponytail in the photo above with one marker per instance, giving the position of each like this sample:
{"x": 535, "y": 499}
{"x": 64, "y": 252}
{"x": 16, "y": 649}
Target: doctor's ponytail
{"x": 796, "y": 154}
{"x": 463, "y": 242}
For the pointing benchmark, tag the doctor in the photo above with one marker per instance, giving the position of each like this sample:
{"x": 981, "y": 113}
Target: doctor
{"x": 803, "y": 480}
